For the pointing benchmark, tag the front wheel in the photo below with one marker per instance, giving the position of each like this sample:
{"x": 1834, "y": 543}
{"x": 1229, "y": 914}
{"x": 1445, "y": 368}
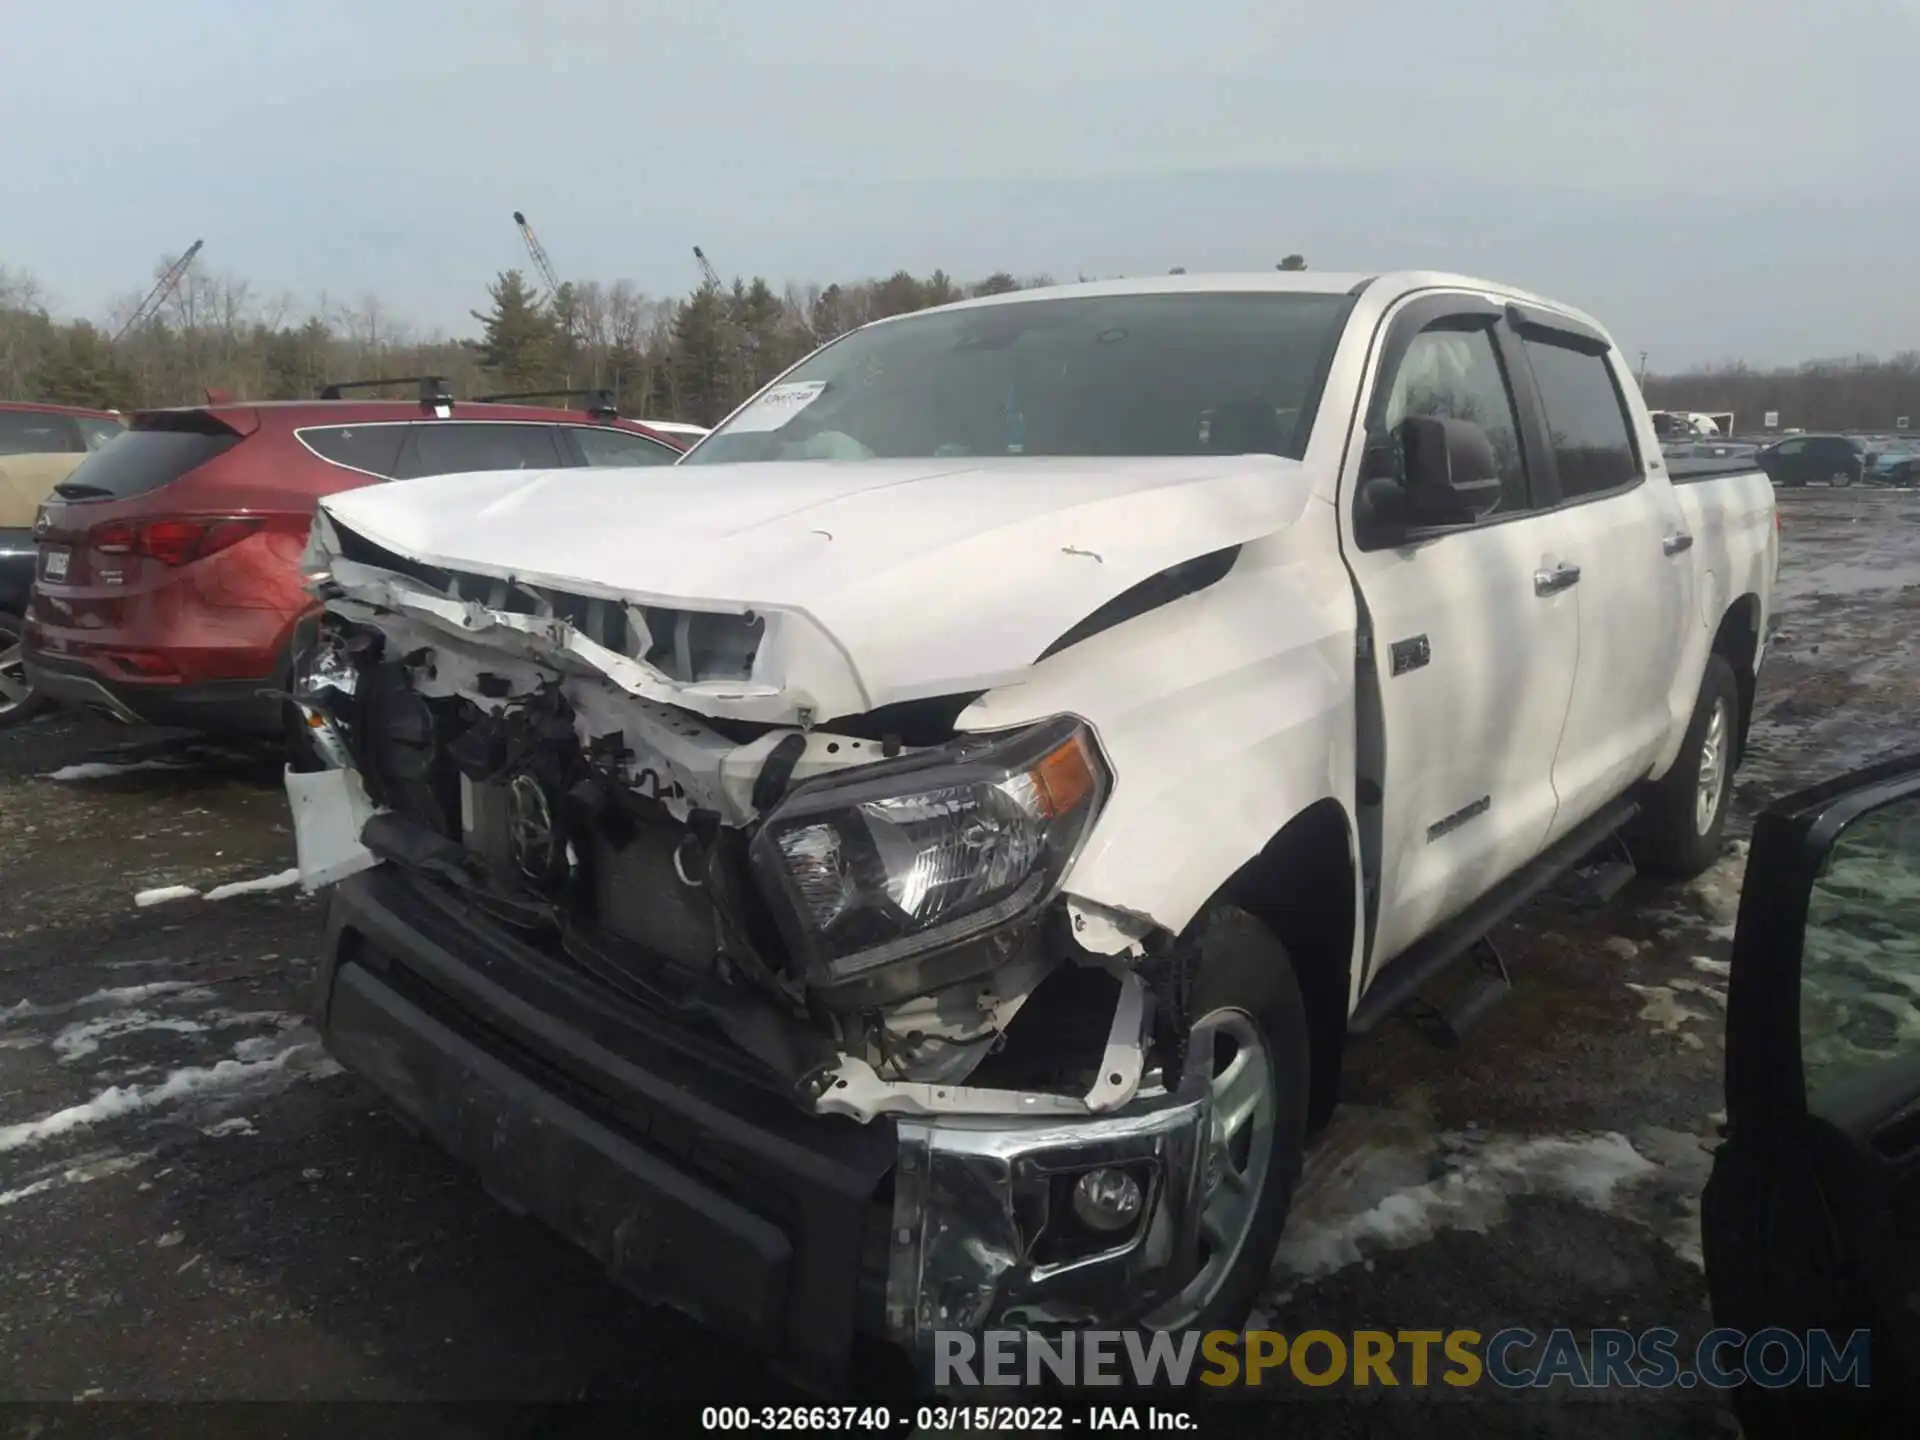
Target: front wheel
{"x": 1250, "y": 1043}
{"x": 1677, "y": 832}
{"x": 1840, "y": 479}
{"x": 19, "y": 701}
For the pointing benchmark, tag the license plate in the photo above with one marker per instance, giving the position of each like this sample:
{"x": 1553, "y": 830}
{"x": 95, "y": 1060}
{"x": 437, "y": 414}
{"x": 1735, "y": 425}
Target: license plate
{"x": 56, "y": 565}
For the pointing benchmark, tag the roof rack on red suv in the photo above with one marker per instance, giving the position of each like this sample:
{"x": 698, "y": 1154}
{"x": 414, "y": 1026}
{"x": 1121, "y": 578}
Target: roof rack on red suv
{"x": 599, "y": 401}
{"x": 433, "y": 388}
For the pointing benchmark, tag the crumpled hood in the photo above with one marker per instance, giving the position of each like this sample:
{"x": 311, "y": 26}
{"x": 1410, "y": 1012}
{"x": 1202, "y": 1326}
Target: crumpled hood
{"x": 928, "y": 576}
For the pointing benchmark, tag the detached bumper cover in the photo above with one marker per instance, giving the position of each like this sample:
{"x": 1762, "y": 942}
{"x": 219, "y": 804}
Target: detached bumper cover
{"x": 700, "y": 1185}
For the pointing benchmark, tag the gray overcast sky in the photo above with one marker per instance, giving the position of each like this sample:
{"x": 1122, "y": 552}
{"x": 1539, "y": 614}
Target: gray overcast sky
{"x": 1713, "y": 178}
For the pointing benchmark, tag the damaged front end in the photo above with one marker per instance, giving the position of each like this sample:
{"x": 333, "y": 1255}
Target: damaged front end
{"x": 871, "y": 910}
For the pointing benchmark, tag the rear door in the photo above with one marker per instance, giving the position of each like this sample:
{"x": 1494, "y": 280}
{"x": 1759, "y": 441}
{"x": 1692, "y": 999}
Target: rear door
{"x": 598, "y": 445}
{"x": 1633, "y": 548}
{"x": 1475, "y": 634}
{"x": 1812, "y": 1212}
{"x": 453, "y": 447}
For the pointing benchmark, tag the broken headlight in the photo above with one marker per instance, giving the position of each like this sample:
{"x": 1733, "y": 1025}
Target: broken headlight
{"x": 884, "y": 862}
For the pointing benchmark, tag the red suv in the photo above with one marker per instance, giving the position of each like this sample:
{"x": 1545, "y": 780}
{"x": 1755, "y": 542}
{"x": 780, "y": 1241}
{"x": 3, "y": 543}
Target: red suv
{"x": 168, "y": 587}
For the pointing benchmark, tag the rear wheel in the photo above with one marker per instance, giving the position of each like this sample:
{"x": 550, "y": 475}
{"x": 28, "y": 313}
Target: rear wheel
{"x": 1250, "y": 1042}
{"x": 1678, "y": 831}
{"x": 1840, "y": 479}
{"x": 19, "y": 701}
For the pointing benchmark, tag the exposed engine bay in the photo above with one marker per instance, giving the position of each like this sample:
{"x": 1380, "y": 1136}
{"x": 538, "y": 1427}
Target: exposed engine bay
{"x": 878, "y": 922}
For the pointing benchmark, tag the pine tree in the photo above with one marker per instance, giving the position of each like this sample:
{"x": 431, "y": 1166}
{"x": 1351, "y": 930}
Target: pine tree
{"x": 519, "y": 337}
{"x": 700, "y": 360}
{"x": 80, "y": 368}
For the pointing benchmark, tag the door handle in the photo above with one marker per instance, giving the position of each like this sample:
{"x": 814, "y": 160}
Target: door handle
{"x": 1552, "y": 582}
{"x": 1677, "y": 543}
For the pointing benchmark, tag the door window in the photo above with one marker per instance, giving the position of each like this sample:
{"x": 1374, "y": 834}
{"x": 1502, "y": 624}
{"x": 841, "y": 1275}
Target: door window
{"x": 452, "y": 447}
{"x": 373, "y": 449}
{"x": 1790, "y": 447}
{"x": 1455, "y": 372}
{"x": 619, "y": 447}
{"x": 1860, "y": 967}
{"x": 35, "y": 432}
{"x": 1587, "y": 423}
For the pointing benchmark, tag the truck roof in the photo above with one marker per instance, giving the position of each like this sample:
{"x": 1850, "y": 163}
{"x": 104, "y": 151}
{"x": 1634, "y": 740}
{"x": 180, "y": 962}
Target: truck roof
{"x": 1384, "y": 287}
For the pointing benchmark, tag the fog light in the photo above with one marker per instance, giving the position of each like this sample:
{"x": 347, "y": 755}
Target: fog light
{"x": 1106, "y": 1199}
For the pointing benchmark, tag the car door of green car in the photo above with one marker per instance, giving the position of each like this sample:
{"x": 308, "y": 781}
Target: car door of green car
{"x": 1811, "y": 1219}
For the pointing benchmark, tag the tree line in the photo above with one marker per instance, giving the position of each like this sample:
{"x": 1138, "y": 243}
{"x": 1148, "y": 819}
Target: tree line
{"x": 689, "y": 358}
{"x": 1860, "y": 393}
{"x": 692, "y": 357}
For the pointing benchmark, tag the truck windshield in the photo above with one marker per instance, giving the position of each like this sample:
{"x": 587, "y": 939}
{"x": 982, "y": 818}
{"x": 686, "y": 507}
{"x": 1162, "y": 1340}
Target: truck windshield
{"x": 1122, "y": 375}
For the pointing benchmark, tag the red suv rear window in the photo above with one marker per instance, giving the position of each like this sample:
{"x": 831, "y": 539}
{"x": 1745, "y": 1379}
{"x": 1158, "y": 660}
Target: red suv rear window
{"x": 148, "y": 456}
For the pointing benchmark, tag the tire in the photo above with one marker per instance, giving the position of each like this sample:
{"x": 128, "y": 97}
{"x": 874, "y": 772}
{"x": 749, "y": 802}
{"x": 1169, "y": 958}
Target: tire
{"x": 1675, "y": 834}
{"x": 1245, "y": 975}
{"x": 19, "y": 701}
{"x": 1840, "y": 479}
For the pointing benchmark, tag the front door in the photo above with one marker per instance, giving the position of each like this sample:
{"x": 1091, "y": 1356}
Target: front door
{"x": 1474, "y": 634}
{"x": 1811, "y": 1221}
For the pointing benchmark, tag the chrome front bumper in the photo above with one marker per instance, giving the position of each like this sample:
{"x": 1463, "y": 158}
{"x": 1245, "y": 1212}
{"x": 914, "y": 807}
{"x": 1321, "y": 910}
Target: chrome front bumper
{"x": 971, "y": 1207}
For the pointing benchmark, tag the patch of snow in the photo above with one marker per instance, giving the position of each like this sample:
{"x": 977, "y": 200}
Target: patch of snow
{"x": 284, "y": 880}
{"x": 84, "y": 1037}
{"x": 129, "y": 994}
{"x": 1623, "y": 947}
{"x": 75, "y": 1174}
{"x": 106, "y": 770}
{"x": 1717, "y": 994}
{"x": 297, "y": 1060}
{"x": 1663, "y": 1009}
{"x": 233, "y": 1125}
{"x": 1482, "y": 1174}
{"x": 119, "y": 995}
{"x": 164, "y": 895}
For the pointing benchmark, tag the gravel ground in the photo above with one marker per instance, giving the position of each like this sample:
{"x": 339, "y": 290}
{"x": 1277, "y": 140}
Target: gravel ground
{"x": 196, "y": 1205}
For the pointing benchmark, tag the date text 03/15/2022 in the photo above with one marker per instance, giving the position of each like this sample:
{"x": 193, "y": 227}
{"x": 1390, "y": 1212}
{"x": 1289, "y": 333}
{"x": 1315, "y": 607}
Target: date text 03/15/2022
{"x": 987, "y": 1419}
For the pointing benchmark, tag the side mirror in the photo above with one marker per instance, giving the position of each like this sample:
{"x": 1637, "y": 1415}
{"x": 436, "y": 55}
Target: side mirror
{"x": 1809, "y": 1215}
{"x": 1451, "y": 475}
{"x": 1434, "y": 471}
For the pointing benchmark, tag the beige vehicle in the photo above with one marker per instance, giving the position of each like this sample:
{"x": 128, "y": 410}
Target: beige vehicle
{"x": 40, "y": 445}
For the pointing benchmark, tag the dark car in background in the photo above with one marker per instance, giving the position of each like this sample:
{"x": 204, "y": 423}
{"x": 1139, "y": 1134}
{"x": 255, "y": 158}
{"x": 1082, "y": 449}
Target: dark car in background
{"x": 168, "y": 588}
{"x": 40, "y": 444}
{"x": 1895, "y": 463}
{"x": 1836, "y": 460}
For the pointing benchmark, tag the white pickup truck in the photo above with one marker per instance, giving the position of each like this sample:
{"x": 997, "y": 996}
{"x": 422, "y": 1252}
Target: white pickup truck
{"x": 917, "y": 868}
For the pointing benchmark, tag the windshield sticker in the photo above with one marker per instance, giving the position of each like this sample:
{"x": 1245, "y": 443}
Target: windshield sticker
{"x": 779, "y": 405}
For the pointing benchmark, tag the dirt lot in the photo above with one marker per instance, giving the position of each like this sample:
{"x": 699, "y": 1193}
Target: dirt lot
{"x": 196, "y": 1204}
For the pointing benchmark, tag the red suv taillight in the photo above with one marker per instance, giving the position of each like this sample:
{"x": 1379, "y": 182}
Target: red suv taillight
{"x": 172, "y": 541}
